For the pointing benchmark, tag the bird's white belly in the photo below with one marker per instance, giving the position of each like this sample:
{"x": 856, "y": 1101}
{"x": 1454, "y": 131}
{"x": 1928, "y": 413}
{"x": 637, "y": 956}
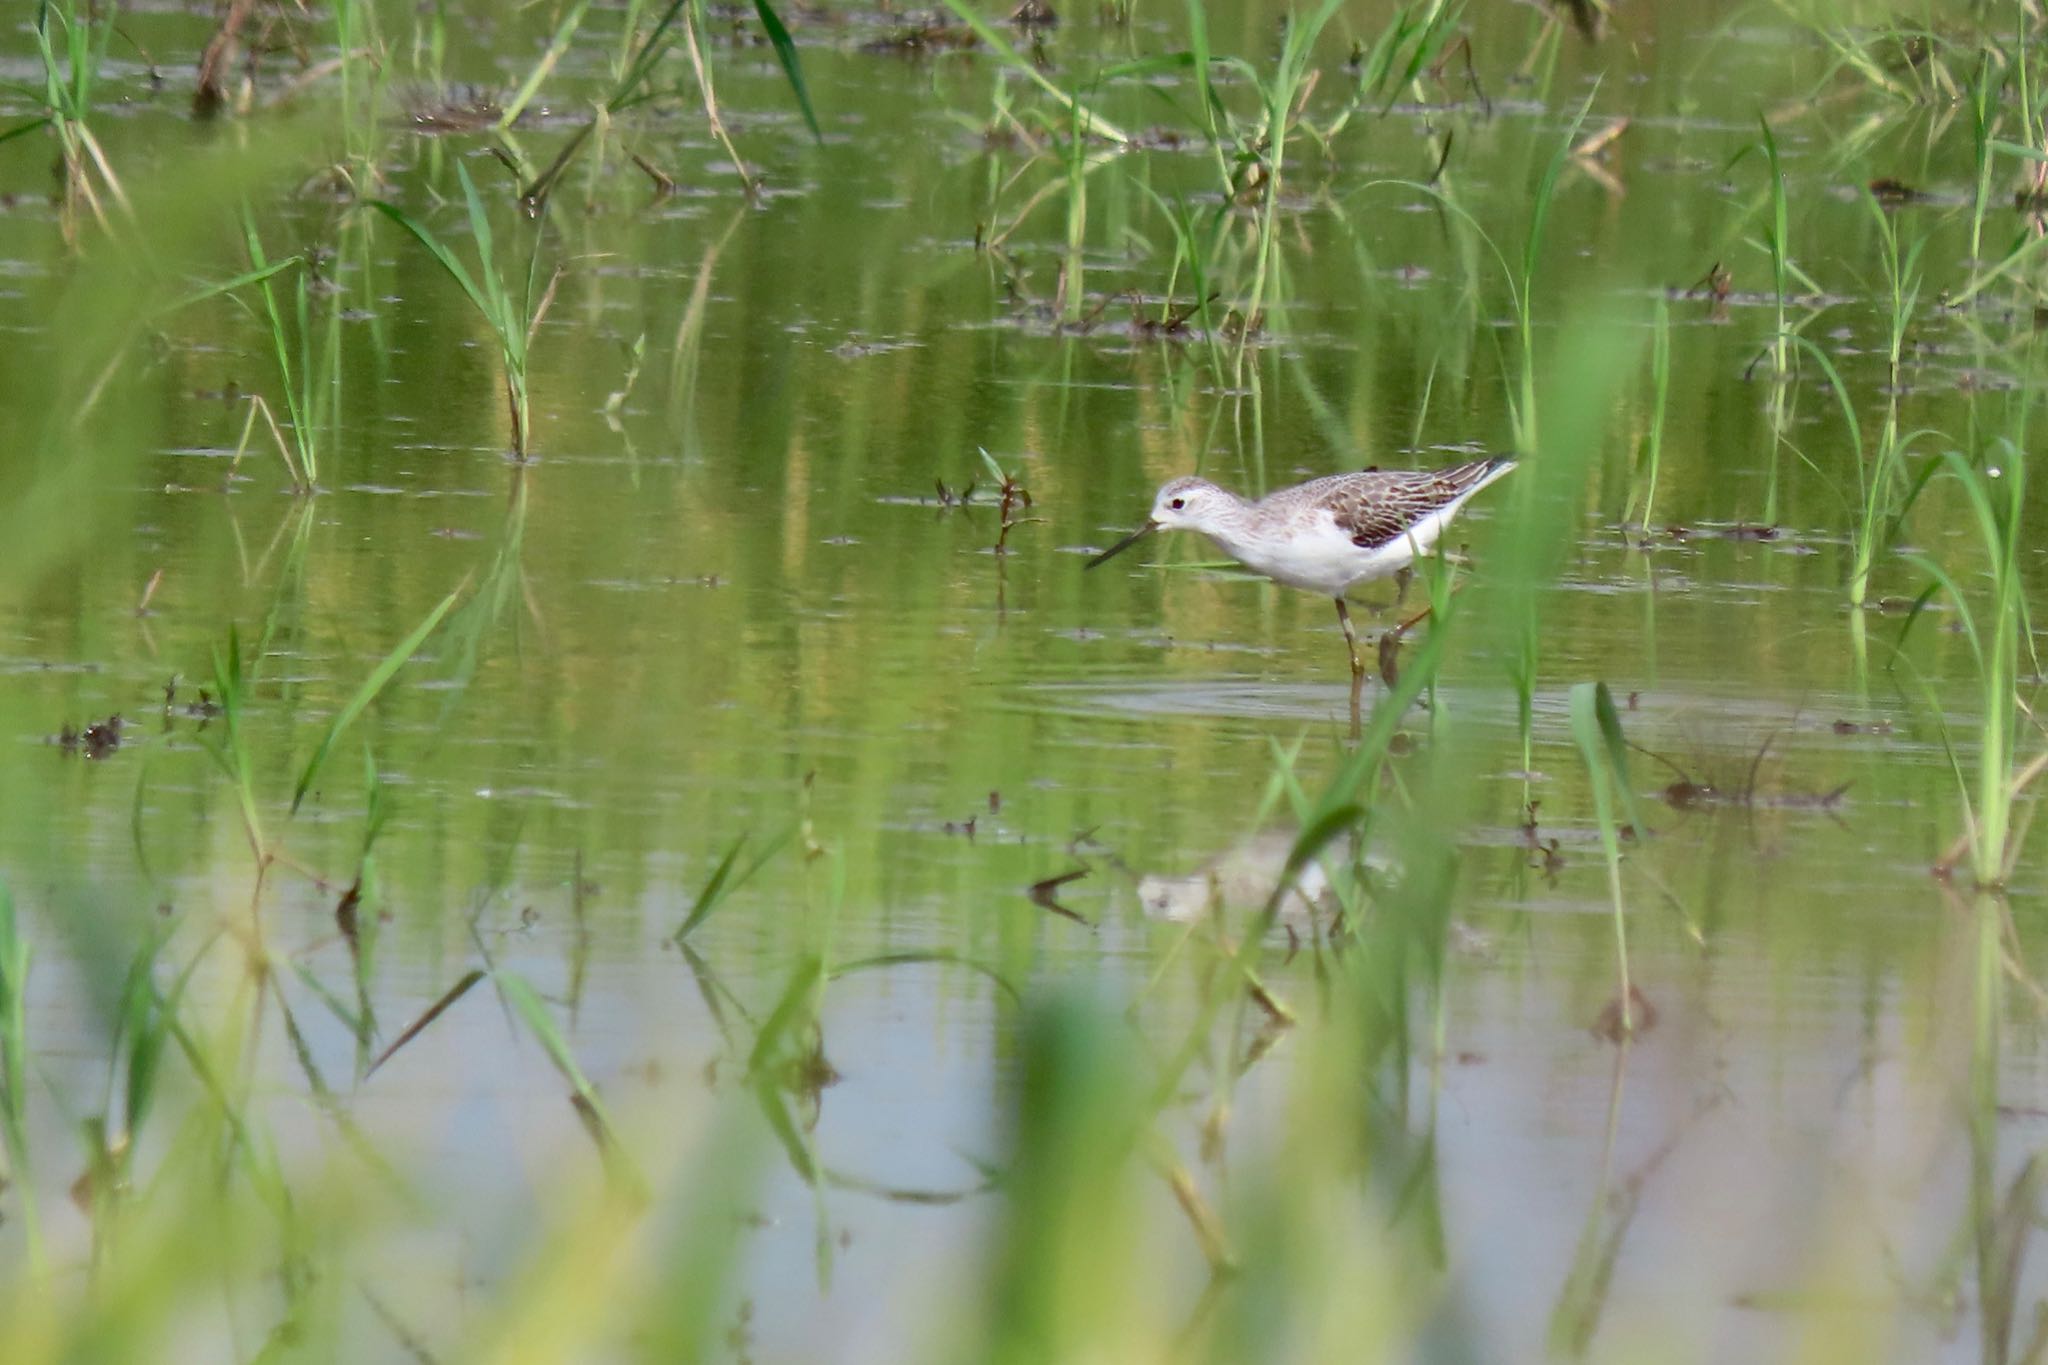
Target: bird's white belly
{"x": 1321, "y": 558}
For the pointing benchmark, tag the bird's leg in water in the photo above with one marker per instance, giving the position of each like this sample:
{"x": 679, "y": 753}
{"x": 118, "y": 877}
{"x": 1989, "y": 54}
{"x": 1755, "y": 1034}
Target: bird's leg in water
{"x": 1357, "y": 664}
{"x": 1390, "y": 641}
{"x": 1350, "y": 641}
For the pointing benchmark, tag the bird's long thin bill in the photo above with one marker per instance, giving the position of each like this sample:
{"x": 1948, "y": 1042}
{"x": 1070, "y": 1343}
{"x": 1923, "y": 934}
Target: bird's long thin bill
{"x": 1126, "y": 543}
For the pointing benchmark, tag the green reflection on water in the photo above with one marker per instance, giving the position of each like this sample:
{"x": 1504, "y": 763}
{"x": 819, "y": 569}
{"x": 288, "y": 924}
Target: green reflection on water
{"x": 750, "y": 592}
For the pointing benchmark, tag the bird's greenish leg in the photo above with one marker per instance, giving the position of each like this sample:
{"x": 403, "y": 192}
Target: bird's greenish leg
{"x": 1350, "y": 639}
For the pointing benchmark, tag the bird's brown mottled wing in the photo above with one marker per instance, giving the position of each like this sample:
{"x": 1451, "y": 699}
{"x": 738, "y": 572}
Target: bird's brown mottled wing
{"x": 1378, "y": 508}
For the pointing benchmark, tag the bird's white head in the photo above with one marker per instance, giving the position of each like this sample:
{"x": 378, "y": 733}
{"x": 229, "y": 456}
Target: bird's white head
{"x": 1191, "y": 505}
{"x": 1183, "y": 505}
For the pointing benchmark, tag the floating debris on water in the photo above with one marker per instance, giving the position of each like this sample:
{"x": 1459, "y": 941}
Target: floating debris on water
{"x": 95, "y": 740}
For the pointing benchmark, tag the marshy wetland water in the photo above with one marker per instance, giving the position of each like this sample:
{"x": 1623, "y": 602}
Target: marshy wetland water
{"x": 675, "y": 893}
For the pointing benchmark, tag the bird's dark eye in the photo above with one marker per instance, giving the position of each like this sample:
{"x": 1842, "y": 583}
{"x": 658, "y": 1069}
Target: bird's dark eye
{"x": 1178, "y": 503}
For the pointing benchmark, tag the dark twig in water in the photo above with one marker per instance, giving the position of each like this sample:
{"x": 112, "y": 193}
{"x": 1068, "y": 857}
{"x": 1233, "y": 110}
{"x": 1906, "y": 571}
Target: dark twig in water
{"x": 1043, "y": 895}
{"x": 433, "y": 1012}
{"x": 664, "y": 183}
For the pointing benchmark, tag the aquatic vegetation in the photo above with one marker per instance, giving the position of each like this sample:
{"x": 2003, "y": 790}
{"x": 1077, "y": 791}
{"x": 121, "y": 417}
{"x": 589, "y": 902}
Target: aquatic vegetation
{"x": 1642, "y": 498}
{"x": 1596, "y": 728}
{"x": 514, "y": 325}
{"x": 1086, "y": 121}
{"x": 687, "y": 898}
{"x": 310, "y": 387}
{"x": 372, "y": 686}
{"x": 641, "y": 53}
{"x": 729, "y": 876}
{"x": 1999, "y": 634}
{"x": 73, "y": 46}
{"x": 1888, "y": 486}
{"x": 565, "y": 33}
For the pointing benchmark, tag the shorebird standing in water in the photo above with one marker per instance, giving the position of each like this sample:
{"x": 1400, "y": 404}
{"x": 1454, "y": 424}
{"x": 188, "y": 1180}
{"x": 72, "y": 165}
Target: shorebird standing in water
{"x": 1327, "y": 535}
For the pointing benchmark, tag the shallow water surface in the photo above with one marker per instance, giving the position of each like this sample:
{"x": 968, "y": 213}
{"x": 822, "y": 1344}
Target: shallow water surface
{"x": 746, "y": 593}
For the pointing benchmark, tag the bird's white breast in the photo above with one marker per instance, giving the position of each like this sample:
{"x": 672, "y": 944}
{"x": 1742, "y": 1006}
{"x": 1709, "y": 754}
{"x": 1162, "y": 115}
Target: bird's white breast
{"x": 1316, "y": 555}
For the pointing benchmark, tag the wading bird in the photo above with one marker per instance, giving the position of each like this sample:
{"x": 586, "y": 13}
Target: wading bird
{"x": 1327, "y": 535}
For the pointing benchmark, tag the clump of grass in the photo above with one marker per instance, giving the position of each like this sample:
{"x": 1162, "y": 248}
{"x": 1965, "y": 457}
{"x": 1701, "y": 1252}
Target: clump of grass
{"x": 1416, "y": 41}
{"x": 71, "y": 57}
{"x": 230, "y": 746}
{"x": 1910, "y": 63}
{"x": 513, "y": 324}
{"x": 1283, "y": 98}
{"x": 1999, "y": 633}
{"x": 1519, "y": 276}
{"x": 1086, "y": 121}
{"x": 637, "y": 63}
{"x": 309, "y": 386}
{"x": 310, "y": 399}
{"x": 141, "y": 1038}
{"x": 1985, "y": 114}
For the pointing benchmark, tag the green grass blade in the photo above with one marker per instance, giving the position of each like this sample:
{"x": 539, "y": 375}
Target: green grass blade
{"x": 565, "y": 32}
{"x": 379, "y": 678}
{"x": 229, "y": 286}
{"x": 1090, "y": 121}
{"x": 527, "y": 1004}
{"x": 1608, "y": 719}
{"x": 24, "y": 129}
{"x": 724, "y": 881}
{"x": 1590, "y": 731}
{"x": 432, "y": 1012}
{"x": 645, "y": 59}
{"x": 440, "y": 253}
{"x": 144, "y": 1030}
{"x": 1322, "y": 830}
{"x": 797, "y": 1002}
{"x": 785, "y": 52}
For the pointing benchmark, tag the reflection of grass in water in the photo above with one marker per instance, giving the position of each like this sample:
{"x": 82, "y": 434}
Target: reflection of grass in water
{"x": 1596, "y": 727}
